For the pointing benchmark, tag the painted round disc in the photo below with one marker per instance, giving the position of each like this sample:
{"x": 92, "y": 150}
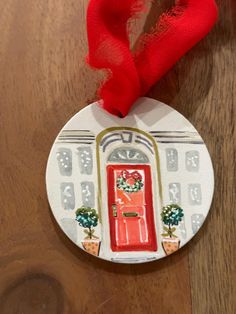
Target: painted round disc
{"x": 130, "y": 190}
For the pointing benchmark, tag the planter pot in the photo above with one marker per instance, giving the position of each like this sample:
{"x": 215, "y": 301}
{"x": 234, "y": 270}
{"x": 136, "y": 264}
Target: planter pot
{"x": 92, "y": 246}
{"x": 170, "y": 245}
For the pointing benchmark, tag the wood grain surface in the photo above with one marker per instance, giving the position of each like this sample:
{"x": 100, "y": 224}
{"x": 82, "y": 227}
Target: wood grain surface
{"x": 43, "y": 82}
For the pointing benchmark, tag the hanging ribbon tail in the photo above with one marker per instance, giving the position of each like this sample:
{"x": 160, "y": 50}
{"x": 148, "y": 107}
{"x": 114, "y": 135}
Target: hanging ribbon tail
{"x": 108, "y": 41}
{"x": 131, "y": 76}
{"x": 176, "y": 32}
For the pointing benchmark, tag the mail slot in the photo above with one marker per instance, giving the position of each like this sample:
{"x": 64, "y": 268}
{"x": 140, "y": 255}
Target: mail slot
{"x": 130, "y": 214}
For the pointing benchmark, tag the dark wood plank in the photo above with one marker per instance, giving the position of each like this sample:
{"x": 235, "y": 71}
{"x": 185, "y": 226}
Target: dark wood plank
{"x": 212, "y": 257}
{"x": 202, "y": 86}
{"x": 43, "y": 82}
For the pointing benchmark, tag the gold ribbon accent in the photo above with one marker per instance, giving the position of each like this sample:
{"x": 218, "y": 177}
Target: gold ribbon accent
{"x": 90, "y": 235}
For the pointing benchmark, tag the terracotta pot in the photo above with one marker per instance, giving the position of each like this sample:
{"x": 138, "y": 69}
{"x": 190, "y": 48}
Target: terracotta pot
{"x": 170, "y": 245}
{"x": 92, "y": 246}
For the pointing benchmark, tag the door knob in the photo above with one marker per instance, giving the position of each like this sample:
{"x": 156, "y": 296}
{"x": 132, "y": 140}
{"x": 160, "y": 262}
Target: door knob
{"x": 114, "y": 210}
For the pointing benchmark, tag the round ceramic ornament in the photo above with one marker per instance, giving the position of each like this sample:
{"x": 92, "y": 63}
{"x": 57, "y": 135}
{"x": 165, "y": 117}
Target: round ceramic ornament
{"x": 130, "y": 190}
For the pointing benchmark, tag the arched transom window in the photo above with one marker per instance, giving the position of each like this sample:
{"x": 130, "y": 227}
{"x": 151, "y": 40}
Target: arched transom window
{"x": 127, "y": 155}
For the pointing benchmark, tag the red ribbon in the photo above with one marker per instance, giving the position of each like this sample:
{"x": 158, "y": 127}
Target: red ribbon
{"x": 131, "y": 75}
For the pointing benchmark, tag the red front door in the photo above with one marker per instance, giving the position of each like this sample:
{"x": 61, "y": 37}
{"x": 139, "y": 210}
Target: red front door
{"x": 131, "y": 218}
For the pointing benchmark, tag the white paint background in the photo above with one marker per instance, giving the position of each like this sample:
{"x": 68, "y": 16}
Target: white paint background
{"x": 147, "y": 115}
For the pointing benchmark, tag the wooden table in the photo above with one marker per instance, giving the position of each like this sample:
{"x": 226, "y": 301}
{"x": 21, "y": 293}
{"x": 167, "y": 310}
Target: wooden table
{"x": 43, "y": 82}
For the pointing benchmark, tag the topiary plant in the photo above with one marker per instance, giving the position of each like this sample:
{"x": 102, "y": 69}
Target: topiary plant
{"x": 87, "y": 217}
{"x": 171, "y": 216}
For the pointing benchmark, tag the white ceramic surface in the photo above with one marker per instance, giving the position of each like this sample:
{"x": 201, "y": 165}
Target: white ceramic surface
{"x": 155, "y": 143}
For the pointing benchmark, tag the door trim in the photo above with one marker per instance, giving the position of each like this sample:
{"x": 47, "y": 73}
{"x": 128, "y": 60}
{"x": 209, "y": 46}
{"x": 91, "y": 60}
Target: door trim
{"x": 157, "y": 159}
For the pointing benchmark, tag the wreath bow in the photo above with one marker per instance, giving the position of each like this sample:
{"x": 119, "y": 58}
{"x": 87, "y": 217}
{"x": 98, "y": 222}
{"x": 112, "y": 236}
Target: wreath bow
{"x": 134, "y": 175}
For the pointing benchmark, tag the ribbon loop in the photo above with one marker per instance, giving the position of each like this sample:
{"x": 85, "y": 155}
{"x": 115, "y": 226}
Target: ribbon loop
{"x": 132, "y": 75}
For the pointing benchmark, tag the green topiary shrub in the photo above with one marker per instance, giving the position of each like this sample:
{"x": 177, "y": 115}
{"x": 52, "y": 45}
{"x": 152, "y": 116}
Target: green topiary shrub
{"x": 171, "y": 216}
{"x": 87, "y": 218}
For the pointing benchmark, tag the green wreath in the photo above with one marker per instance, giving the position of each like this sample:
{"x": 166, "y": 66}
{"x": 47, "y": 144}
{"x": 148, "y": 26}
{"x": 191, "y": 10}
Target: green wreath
{"x": 122, "y": 183}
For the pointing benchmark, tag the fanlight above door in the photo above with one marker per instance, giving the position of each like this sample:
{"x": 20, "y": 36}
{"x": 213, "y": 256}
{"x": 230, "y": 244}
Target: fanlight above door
{"x": 128, "y": 156}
